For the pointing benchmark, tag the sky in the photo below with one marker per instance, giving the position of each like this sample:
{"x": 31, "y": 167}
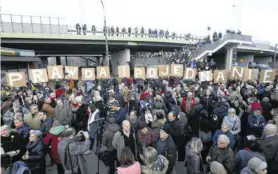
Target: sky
{"x": 258, "y": 18}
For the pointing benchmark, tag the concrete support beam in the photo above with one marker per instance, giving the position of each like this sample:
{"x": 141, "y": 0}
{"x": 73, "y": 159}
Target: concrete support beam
{"x": 229, "y": 56}
{"x": 58, "y": 60}
{"x": 119, "y": 58}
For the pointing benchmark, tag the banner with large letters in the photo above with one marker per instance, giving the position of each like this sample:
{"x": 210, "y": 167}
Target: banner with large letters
{"x": 17, "y": 79}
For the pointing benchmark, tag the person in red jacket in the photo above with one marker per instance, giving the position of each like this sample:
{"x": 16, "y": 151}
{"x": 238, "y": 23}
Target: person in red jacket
{"x": 188, "y": 103}
{"x": 51, "y": 141}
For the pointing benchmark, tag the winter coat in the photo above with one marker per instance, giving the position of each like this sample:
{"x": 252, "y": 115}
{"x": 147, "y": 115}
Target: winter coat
{"x": 33, "y": 121}
{"x": 160, "y": 166}
{"x": 76, "y": 151}
{"x": 24, "y": 131}
{"x": 100, "y": 106}
{"x": 194, "y": 119}
{"x": 35, "y": 150}
{"x": 135, "y": 168}
{"x": 8, "y": 116}
{"x": 159, "y": 107}
{"x": 256, "y": 125}
{"x": 48, "y": 109}
{"x": 223, "y": 156}
{"x": 269, "y": 147}
{"x": 64, "y": 115}
{"x": 46, "y": 125}
{"x": 156, "y": 126}
{"x": 81, "y": 116}
{"x": 267, "y": 109}
{"x": 146, "y": 140}
{"x": 193, "y": 161}
{"x": 233, "y": 123}
{"x": 229, "y": 134}
{"x": 118, "y": 143}
{"x": 176, "y": 132}
{"x": 119, "y": 98}
{"x": 169, "y": 150}
{"x": 243, "y": 156}
{"x": 120, "y": 115}
{"x": 108, "y": 136}
{"x": 12, "y": 143}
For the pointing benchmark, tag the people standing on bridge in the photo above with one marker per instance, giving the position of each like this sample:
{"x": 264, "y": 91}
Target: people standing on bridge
{"x": 104, "y": 30}
{"x": 129, "y": 31}
{"x": 78, "y": 29}
{"x": 94, "y": 29}
{"x": 214, "y": 37}
{"x": 220, "y": 35}
{"x": 109, "y": 31}
{"x": 117, "y": 31}
{"x": 142, "y": 31}
{"x": 173, "y": 35}
{"x": 84, "y": 28}
{"x": 123, "y": 31}
{"x": 155, "y": 33}
{"x": 136, "y": 31}
{"x": 150, "y": 32}
{"x": 112, "y": 31}
{"x": 167, "y": 34}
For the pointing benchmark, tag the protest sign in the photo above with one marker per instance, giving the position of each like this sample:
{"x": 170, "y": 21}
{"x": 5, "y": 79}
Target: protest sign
{"x": 164, "y": 70}
{"x": 103, "y": 72}
{"x": 38, "y": 75}
{"x": 250, "y": 74}
{"x": 205, "y": 76}
{"x": 55, "y": 72}
{"x": 124, "y": 71}
{"x": 237, "y": 73}
{"x": 139, "y": 72}
{"x": 220, "y": 76}
{"x": 267, "y": 76}
{"x": 176, "y": 70}
{"x": 88, "y": 74}
{"x": 71, "y": 72}
{"x": 190, "y": 73}
{"x": 152, "y": 73}
{"x": 16, "y": 79}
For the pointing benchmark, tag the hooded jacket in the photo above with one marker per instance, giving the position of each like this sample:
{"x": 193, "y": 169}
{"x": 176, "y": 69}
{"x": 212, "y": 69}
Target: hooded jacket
{"x": 108, "y": 136}
{"x": 51, "y": 141}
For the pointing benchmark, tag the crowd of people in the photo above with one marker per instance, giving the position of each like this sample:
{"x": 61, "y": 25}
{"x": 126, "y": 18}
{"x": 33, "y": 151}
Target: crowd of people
{"x": 141, "y": 126}
{"x": 135, "y": 32}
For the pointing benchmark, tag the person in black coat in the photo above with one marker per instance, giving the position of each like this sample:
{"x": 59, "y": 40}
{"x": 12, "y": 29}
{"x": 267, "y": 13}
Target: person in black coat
{"x": 194, "y": 120}
{"x": 177, "y": 136}
{"x": 166, "y": 147}
{"x": 35, "y": 152}
{"x": 12, "y": 142}
{"x": 266, "y": 109}
{"x": 81, "y": 115}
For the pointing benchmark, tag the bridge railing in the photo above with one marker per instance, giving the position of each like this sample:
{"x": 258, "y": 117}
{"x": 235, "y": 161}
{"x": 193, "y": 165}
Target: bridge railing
{"x": 54, "y": 25}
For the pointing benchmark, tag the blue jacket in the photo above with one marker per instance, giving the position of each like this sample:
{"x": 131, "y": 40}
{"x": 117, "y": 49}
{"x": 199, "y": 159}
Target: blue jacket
{"x": 120, "y": 115}
{"x": 229, "y": 134}
{"x": 46, "y": 125}
{"x": 243, "y": 156}
{"x": 36, "y": 150}
{"x": 256, "y": 125}
{"x": 24, "y": 131}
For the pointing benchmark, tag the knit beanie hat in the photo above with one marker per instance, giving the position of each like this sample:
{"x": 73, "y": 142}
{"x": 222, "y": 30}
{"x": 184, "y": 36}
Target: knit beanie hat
{"x": 167, "y": 128}
{"x": 256, "y": 164}
{"x": 57, "y": 130}
{"x": 217, "y": 168}
{"x": 256, "y": 106}
{"x": 270, "y": 129}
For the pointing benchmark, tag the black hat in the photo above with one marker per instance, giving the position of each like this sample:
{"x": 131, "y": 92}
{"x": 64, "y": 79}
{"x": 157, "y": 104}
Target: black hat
{"x": 167, "y": 128}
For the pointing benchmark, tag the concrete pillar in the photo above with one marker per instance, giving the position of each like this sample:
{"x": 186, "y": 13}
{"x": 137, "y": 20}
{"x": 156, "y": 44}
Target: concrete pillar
{"x": 44, "y": 62}
{"x": 119, "y": 58}
{"x": 229, "y": 57}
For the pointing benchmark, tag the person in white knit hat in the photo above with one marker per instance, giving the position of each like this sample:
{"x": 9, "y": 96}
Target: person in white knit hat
{"x": 255, "y": 166}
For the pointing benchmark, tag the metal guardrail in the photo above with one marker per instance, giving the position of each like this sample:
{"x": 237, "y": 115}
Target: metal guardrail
{"x": 55, "y": 25}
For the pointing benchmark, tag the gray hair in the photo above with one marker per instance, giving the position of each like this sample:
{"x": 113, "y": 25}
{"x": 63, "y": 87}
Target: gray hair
{"x": 265, "y": 99}
{"x": 37, "y": 133}
{"x": 34, "y": 106}
{"x": 69, "y": 132}
{"x": 231, "y": 110}
{"x": 6, "y": 127}
{"x": 224, "y": 139}
{"x": 196, "y": 145}
{"x": 125, "y": 122}
{"x": 18, "y": 118}
{"x": 197, "y": 100}
{"x": 149, "y": 155}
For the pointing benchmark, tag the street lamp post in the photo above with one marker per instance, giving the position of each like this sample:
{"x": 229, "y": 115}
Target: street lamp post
{"x": 274, "y": 58}
{"x": 106, "y": 60}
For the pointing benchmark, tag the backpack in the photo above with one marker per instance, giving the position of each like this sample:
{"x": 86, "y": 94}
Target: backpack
{"x": 20, "y": 167}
